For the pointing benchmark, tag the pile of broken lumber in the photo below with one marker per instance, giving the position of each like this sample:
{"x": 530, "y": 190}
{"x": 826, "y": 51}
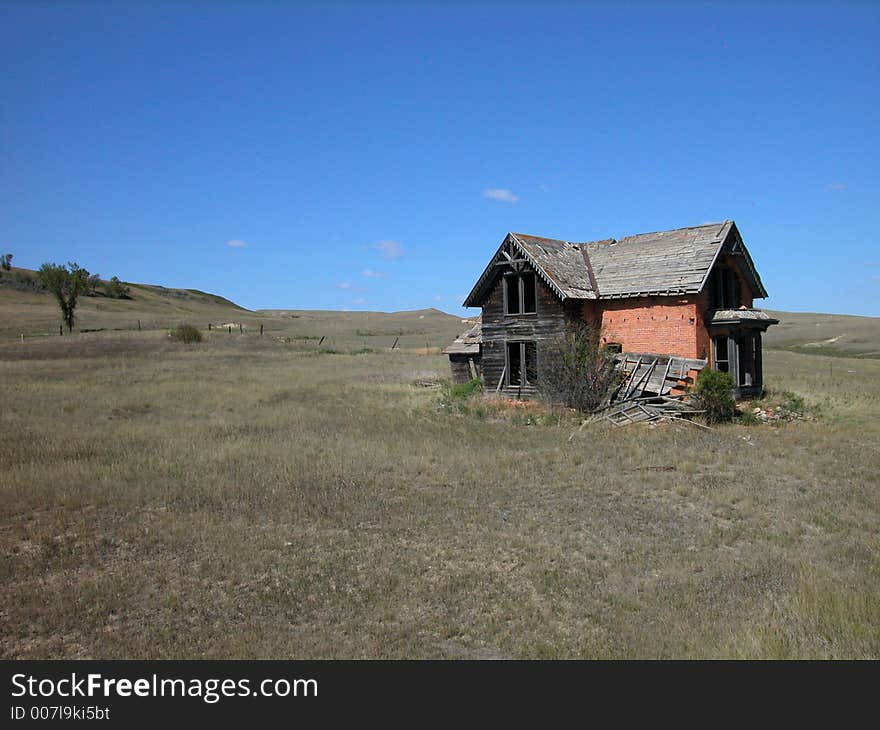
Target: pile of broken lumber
{"x": 645, "y": 392}
{"x": 646, "y": 409}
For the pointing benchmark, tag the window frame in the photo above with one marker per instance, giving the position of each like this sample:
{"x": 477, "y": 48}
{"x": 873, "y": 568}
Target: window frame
{"x": 726, "y": 359}
{"x": 523, "y": 347}
{"x": 520, "y": 293}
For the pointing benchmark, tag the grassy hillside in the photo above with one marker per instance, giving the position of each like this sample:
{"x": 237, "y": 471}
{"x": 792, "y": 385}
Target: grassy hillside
{"x": 35, "y": 314}
{"x": 825, "y": 334}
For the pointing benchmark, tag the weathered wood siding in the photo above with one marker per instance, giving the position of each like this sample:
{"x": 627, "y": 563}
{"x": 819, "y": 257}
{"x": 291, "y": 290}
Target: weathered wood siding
{"x": 498, "y": 328}
{"x": 464, "y": 367}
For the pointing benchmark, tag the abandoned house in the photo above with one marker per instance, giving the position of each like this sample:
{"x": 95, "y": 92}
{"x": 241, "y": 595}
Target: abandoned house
{"x": 682, "y": 297}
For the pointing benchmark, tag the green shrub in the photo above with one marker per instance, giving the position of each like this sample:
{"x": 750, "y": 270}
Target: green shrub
{"x": 454, "y": 397}
{"x": 186, "y": 333}
{"x": 793, "y": 404}
{"x": 714, "y": 394}
{"x": 748, "y": 418}
{"x": 463, "y": 391}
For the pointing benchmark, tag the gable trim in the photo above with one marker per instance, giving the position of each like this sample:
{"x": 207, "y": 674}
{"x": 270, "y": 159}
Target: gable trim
{"x": 475, "y": 298}
{"x": 759, "y": 291}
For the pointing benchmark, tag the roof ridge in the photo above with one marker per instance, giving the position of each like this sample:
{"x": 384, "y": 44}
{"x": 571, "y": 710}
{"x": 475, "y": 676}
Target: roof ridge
{"x": 683, "y": 228}
{"x": 543, "y": 238}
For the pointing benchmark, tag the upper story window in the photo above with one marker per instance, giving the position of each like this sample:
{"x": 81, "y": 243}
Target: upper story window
{"x": 520, "y": 296}
{"x": 726, "y": 290}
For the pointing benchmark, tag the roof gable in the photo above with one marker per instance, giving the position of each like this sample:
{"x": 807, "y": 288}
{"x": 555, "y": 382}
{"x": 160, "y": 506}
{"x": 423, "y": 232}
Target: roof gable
{"x": 559, "y": 263}
{"x": 734, "y": 246}
{"x": 662, "y": 263}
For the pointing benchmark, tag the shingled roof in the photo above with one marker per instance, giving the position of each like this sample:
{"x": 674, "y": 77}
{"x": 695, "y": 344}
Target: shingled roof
{"x": 649, "y": 264}
{"x": 561, "y": 262}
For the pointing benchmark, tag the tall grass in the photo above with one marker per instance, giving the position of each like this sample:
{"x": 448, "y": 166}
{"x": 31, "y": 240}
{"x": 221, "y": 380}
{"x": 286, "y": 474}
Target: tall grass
{"x": 248, "y": 498}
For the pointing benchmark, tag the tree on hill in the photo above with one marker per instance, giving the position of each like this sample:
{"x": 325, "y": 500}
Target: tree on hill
{"x": 115, "y": 289}
{"x": 66, "y": 284}
{"x": 6, "y": 262}
{"x": 93, "y": 281}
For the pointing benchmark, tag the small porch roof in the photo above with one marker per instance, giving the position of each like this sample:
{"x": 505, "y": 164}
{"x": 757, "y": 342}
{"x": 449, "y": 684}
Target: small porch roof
{"x": 467, "y": 343}
{"x": 742, "y": 316}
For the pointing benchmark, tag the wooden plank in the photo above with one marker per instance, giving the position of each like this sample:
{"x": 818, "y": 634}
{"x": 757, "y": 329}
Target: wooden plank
{"x": 501, "y": 379}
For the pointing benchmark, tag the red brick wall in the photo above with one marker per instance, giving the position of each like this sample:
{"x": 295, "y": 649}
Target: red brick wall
{"x": 667, "y": 325}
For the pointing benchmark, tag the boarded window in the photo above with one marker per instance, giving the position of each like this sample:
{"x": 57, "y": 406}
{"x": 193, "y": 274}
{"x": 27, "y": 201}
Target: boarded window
{"x": 613, "y": 347}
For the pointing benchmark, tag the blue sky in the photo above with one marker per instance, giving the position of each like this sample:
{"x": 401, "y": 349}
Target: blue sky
{"x": 373, "y": 155}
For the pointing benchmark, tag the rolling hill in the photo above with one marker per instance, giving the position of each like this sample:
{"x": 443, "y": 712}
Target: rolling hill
{"x": 32, "y": 313}
{"x": 842, "y": 335}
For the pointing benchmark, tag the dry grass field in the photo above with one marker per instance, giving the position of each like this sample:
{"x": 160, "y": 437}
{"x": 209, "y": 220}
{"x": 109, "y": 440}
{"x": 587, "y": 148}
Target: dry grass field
{"x": 248, "y": 497}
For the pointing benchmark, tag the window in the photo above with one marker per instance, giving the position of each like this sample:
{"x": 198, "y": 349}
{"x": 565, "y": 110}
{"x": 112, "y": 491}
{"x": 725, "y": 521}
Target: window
{"x": 725, "y": 288}
{"x": 522, "y": 363}
{"x": 520, "y": 296}
{"x": 720, "y": 361}
{"x": 530, "y": 351}
{"x": 527, "y": 284}
{"x": 739, "y": 355}
{"x": 613, "y": 347}
{"x": 514, "y": 363}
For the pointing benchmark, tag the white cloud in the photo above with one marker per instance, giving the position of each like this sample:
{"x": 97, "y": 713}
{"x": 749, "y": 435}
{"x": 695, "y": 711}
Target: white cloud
{"x": 834, "y": 187}
{"x": 370, "y": 274}
{"x": 344, "y": 285}
{"x": 359, "y": 301}
{"x": 505, "y": 196}
{"x": 389, "y": 249}
{"x": 235, "y": 243}
{"x": 438, "y": 298}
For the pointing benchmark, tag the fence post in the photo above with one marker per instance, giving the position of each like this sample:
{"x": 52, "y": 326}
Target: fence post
{"x": 230, "y": 329}
{"x": 139, "y": 325}
{"x": 261, "y": 330}
{"x": 61, "y": 330}
{"x": 395, "y": 343}
{"x": 209, "y": 326}
{"x": 240, "y": 328}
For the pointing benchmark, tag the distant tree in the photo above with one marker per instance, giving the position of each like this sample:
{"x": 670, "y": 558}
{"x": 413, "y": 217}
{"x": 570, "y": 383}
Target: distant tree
{"x": 115, "y": 289}
{"x": 93, "y": 282}
{"x": 66, "y": 284}
{"x": 6, "y": 262}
